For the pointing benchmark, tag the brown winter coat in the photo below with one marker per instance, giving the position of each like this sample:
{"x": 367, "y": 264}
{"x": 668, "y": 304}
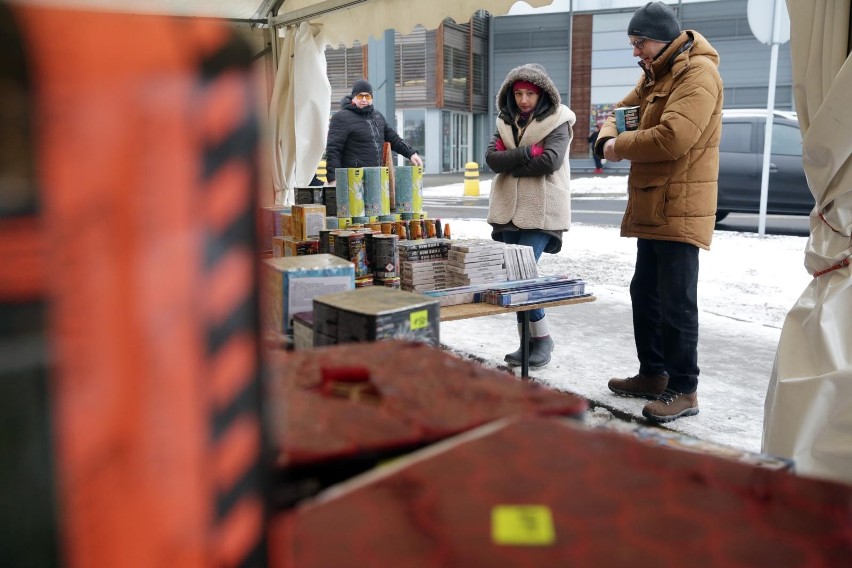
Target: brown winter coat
{"x": 674, "y": 153}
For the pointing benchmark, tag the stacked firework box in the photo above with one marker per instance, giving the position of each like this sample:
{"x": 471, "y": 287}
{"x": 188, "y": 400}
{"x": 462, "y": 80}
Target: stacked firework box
{"x": 303, "y": 330}
{"x": 271, "y": 225}
{"x": 289, "y": 285}
{"x": 536, "y": 290}
{"x": 456, "y": 295}
{"x": 475, "y": 261}
{"x": 520, "y": 262}
{"x": 424, "y": 275}
{"x": 373, "y": 253}
{"x": 319, "y": 195}
{"x": 300, "y": 228}
{"x": 423, "y": 264}
{"x": 362, "y": 196}
{"x": 375, "y": 314}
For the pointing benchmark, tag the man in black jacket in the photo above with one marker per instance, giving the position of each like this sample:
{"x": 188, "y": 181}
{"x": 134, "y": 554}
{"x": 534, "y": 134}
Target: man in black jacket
{"x": 357, "y": 133}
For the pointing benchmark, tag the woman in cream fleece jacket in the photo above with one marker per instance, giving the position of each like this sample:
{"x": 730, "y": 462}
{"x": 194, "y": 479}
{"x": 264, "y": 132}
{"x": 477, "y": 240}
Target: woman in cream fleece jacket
{"x": 530, "y": 201}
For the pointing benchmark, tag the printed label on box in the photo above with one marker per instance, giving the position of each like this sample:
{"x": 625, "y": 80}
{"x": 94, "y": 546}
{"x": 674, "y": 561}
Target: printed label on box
{"x": 301, "y": 293}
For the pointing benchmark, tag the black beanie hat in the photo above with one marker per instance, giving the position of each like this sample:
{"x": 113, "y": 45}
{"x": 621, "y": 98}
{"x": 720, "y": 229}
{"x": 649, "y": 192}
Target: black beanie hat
{"x": 654, "y": 21}
{"x": 361, "y": 86}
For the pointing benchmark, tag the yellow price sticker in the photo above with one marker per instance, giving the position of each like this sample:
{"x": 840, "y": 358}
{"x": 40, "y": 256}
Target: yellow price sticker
{"x": 522, "y": 525}
{"x": 419, "y": 319}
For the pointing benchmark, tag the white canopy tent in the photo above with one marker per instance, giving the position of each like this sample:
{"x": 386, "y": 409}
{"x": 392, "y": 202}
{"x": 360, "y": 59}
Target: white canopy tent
{"x": 809, "y": 403}
{"x": 301, "y": 98}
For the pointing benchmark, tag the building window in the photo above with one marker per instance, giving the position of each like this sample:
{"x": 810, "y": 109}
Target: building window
{"x": 344, "y": 66}
{"x": 414, "y": 130}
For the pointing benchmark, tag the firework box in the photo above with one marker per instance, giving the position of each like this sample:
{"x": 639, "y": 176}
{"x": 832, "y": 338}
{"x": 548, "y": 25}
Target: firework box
{"x": 288, "y": 246}
{"x": 270, "y": 224}
{"x": 285, "y": 225}
{"x": 375, "y": 314}
{"x": 309, "y": 195}
{"x": 303, "y": 330}
{"x": 626, "y": 118}
{"x": 531, "y": 292}
{"x": 475, "y": 293}
{"x": 290, "y": 283}
{"x": 308, "y": 220}
{"x": 293, "y": 247}
{"x": 278, "y": 246}
{"x": 329, "y": 199}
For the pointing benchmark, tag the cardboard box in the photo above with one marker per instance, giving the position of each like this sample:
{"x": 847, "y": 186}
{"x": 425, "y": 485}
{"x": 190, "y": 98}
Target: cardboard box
{"x": 289, "y": 285}
{"x": 375, "y": 313}
{"x": 278, "y": 246}
{"x": 303, "y": 331}
{"x": 308, "y": 195}
{"x": 293, "y": 247}
{"x": 270, "y": 224}
{"x": 286, "y": 225}
{"x": 307, "y": 221}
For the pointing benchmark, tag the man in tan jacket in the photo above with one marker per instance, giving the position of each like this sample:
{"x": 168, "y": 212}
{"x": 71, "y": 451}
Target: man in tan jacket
{"x": 671, "y": 207}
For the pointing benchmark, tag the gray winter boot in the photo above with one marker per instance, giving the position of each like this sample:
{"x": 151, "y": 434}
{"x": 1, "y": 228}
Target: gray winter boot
{"x": 541, "y": 345}
{"x": 515, "y": 358}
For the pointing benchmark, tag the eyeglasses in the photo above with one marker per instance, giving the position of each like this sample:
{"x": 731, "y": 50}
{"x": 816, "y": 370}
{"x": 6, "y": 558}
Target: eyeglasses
{"x": 637, "y": 43}
{"x": 364, "y": 96}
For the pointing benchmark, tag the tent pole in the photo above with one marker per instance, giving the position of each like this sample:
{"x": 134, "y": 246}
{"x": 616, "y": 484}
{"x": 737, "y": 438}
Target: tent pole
{"x": 319, "y": 9}
{"x": 273, "y": 43}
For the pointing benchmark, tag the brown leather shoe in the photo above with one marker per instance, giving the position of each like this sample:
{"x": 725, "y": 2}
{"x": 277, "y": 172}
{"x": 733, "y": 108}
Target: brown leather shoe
{"x": 641, "y": 386}
{"x": 671, "y": 405}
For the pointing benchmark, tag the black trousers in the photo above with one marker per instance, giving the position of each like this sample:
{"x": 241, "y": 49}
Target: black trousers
{"x": 664, "y": 292}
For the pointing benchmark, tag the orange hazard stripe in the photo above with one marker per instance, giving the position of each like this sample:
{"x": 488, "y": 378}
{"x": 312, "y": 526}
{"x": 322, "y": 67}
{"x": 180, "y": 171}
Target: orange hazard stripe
{"x": 236, "y": 453}
{"x": 230, "y": 283}
{"x": 237, "y": 533}
{"x": 228, "y": 138}
{"x": 224, "y": 202}
{"x": 224, "y": 108}
{"x": 234, "y": 366}
{"x": 21, "y": 259}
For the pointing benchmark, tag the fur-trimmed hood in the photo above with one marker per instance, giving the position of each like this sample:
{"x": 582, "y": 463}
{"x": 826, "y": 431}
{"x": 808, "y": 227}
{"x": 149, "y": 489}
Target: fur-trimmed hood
{"x": 533, "y": 73}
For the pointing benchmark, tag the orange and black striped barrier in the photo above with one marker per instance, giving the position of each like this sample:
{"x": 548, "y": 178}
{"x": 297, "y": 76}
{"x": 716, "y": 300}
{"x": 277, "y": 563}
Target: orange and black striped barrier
{"x": 128, "y": 292}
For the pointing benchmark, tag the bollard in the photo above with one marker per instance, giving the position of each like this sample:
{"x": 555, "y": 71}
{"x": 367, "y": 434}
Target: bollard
{"x": 471, "y": 179}
{"x": 321, "y": 172}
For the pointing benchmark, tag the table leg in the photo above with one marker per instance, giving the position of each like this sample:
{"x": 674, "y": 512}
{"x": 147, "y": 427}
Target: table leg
{"x": 525, "y": 345}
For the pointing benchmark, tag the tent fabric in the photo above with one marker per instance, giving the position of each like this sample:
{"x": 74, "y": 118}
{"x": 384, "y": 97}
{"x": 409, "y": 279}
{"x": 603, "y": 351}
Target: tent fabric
{"x": 299, "y": 110}
{"x": 373, "y": 17}
{"x": 808, "y": 408}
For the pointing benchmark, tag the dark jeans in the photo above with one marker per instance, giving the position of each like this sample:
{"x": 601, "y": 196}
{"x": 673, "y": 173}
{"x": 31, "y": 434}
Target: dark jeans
{"x": 537, "y": 240}
{"x": 664, "y": 291}
{"x": 598, "y": 162}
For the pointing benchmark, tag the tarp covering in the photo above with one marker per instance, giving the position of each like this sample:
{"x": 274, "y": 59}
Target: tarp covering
{"x": 809, "y": 403}
{"x": 373, "y": 17}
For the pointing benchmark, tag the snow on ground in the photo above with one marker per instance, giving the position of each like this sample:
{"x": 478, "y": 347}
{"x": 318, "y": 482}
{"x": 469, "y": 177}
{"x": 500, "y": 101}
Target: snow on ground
{"x": 743, "y": 276}
{"x": 747, "y": 284}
